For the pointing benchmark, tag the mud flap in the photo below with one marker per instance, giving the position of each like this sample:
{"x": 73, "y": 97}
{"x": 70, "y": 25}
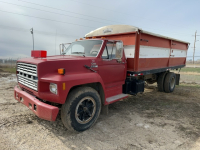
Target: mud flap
{"x": 177, "y": 79}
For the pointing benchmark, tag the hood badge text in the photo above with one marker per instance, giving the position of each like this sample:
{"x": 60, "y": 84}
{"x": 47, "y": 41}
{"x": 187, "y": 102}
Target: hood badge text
{"x": 93, "y": 64}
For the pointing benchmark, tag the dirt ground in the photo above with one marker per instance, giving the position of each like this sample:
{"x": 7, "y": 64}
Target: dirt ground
{"x": 152, "y": 120}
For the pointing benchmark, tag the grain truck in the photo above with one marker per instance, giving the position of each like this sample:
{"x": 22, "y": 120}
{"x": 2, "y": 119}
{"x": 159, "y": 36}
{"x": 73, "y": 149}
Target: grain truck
{"x": 108, "y": 65}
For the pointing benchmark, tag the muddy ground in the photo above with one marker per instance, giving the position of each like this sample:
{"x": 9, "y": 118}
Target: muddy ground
{"x": 151, "y": 120}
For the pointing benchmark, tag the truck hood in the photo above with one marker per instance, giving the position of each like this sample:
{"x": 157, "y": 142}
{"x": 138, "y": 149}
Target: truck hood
{"x": 36, "y": 61}
{"x": 51, "y": 64}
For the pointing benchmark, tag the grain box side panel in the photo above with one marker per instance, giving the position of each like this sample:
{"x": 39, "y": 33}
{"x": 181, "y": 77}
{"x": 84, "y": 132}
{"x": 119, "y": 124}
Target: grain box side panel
{"x": 157, "y": 52}
{"x": 178, "y": 53}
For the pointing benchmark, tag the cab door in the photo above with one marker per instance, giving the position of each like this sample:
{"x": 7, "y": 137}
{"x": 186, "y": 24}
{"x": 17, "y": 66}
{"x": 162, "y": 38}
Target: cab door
{"x": 112, "y": 69}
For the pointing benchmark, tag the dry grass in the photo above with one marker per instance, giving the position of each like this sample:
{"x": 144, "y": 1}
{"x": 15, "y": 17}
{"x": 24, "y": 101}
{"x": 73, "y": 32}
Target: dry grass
{"x": 7, "y": 69}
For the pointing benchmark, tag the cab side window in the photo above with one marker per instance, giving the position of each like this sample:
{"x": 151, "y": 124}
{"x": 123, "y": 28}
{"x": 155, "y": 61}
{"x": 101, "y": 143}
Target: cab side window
{"x": 109, "y": 51}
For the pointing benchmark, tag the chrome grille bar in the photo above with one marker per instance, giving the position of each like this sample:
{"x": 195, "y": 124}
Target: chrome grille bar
{"x": 27, "y": 68}
{"x": 28, "y": 83}
{"x": 27, "y": 75}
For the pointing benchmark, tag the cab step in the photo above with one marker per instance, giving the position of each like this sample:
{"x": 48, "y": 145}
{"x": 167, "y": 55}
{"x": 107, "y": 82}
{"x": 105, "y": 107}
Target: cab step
{"x": 115, "y": 98}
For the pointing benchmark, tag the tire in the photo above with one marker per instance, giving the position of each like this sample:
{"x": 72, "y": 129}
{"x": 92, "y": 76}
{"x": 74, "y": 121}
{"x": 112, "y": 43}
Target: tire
{"x": 81, "y": 109}
{"x": 160, "y": 81}
{"x": 170, "y": 82}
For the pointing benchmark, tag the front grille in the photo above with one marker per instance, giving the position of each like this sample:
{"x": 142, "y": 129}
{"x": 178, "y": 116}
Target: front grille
{"x": 27, "y": 68}
{"x": 27, "y": 75}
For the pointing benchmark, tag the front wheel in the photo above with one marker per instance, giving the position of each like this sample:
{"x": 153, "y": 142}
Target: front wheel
{"x": 81, "y": 109}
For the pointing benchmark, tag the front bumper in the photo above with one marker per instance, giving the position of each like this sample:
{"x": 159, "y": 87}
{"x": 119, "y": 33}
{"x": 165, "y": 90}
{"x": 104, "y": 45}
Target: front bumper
{"x": 42, "y": 110}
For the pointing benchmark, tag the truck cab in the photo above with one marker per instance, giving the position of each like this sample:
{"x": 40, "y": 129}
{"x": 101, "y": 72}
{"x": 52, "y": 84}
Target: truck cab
{"x": 45, "y": 84}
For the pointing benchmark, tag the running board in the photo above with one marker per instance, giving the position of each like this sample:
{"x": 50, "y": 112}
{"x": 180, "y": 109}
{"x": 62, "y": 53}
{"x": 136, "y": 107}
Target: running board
{"x": 116, "y": 97}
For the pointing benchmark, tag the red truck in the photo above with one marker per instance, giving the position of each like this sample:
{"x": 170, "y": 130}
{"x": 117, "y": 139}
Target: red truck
{"x": 108, "y": 65}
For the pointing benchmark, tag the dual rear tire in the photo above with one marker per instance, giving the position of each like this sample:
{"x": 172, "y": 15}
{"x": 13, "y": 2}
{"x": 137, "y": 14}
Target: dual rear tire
{"x": 166, "y": 82}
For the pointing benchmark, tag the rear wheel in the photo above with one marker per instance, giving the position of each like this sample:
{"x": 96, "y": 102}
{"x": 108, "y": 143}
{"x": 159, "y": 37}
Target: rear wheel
{"x": 170, "y": 82}
{"x": 81, "y": 109}
{"x": 160, "y": 81}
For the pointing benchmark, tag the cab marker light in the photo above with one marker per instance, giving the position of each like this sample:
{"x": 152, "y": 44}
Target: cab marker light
{"x": 61, "y": 71}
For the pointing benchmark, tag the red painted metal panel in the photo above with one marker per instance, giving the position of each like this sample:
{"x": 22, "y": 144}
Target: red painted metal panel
{"x": 127, "y": 38}
{"x": 150, "y": 40}
{"x": 152, "y": 63}
{"x": 179, "y": 45}
{"x": 130, "y": 64}
{"x": 114, "y": 89}
{"x": 177, "y": 61}
{"x": 156, "y": 63}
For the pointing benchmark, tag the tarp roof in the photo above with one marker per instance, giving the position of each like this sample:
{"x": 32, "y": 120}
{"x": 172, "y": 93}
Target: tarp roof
{"x": 117, "y": 29}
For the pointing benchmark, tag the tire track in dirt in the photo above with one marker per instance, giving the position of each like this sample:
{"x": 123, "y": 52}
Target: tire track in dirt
{"x": 9, "y": 103}
{"x": 17, "y": 120}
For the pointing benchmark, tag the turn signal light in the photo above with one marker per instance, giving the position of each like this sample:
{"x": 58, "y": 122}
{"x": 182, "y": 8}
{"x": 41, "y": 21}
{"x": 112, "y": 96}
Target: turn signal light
{"x": 94, "y": 37}
{"x": 61, "y": 71}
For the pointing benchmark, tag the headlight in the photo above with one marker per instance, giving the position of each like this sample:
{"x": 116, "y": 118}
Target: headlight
{"x": 53, "y": 88}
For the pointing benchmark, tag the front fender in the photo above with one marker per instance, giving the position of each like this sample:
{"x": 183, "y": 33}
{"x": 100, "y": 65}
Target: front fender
{"x": 66, "y": 82}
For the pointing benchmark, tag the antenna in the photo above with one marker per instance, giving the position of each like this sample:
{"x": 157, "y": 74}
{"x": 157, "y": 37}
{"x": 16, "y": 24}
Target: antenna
{"x": 31, "y": 30}
{"x": 55, "y": 41}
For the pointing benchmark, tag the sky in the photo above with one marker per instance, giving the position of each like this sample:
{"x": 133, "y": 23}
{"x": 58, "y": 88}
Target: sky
{"x": 64, "y": 21}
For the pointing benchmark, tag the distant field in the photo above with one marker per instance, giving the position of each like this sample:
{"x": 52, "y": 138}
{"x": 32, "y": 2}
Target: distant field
{"x": 7, "y": 69}
{"x": 190, "y": 70}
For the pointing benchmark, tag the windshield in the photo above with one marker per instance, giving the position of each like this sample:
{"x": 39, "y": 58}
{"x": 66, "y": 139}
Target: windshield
{"x": 84, "y": 48}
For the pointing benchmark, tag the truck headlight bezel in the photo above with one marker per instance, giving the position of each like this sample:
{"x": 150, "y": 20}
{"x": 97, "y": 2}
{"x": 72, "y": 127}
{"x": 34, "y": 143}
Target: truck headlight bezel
{"x": 53, "y": 88}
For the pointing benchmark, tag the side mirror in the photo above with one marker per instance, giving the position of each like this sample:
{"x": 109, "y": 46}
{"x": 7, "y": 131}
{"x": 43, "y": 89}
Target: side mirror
{"x": 119, "y": 50}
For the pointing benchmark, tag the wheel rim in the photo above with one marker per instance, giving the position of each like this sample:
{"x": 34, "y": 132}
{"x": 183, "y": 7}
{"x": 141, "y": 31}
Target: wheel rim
{"x": 85, "y": 110}
{"x": 172, "y": 83}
